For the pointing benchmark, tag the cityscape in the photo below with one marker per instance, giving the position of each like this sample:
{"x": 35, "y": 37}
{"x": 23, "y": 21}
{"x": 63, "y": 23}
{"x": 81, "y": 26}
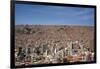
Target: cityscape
{"x": 53, "y": 34}
{"x": 43, "y": 44}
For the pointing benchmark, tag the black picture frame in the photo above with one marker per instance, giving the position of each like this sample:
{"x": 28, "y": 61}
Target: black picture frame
{"x": 12, "y": 32}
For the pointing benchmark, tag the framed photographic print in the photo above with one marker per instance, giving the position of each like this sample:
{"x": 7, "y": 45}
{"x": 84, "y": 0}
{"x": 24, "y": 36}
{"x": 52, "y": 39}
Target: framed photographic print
{"x": 52, "y": 34}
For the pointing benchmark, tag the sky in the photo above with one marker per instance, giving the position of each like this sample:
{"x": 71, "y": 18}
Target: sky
{"x": 53, "y": 15}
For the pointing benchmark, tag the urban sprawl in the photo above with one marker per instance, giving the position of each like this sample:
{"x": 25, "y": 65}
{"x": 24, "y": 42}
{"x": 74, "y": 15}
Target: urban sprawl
{"x": 53, "y": 44}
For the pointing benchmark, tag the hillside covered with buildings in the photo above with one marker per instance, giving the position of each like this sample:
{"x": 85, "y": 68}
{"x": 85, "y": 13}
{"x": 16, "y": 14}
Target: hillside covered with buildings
{"x": 49, "y": 44}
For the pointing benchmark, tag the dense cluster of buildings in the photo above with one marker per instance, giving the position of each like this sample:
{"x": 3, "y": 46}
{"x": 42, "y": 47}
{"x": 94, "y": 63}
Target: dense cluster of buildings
{"x": 53, "y": 44}
{"x": 54, "y": 52}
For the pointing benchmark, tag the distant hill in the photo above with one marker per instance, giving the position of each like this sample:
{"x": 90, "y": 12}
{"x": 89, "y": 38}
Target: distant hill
{"x": 30, "y": 34}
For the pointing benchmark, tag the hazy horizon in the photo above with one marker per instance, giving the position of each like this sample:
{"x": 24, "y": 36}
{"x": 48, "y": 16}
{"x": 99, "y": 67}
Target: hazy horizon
{"x": 52, "y": 25}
